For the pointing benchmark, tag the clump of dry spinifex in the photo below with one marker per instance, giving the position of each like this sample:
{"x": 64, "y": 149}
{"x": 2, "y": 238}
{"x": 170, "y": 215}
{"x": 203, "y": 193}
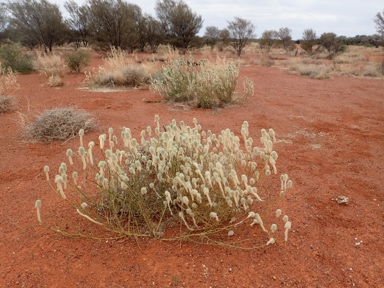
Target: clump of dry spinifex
{"x": 52, "y": 65}
{"x": 120, "y": 70}
{"x": 58, "y": 124}
{"x": 209, "y": 184}
{"x": 7, "y": 103}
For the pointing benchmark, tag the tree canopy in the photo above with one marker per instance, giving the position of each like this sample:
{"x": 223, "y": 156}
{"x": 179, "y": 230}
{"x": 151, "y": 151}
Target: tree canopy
{"x": 37, "y": 22}
{"x": 179, "y": 24}
{"x": 240, "y": 31}
{"x": 379, "y": 21}
{"x": 113, "y": 23}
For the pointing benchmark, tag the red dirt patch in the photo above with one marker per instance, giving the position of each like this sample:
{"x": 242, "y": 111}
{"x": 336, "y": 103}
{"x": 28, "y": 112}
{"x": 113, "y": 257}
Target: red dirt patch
{"x": 333, "y": 145}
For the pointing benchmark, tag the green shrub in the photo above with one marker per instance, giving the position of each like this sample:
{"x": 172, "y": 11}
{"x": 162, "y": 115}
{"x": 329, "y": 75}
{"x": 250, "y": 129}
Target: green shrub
{"x": 206, "y": 84}
{"x": 78, "y": 60}
{"x": 13, "y": 57}
{"x": 141, "y": 188}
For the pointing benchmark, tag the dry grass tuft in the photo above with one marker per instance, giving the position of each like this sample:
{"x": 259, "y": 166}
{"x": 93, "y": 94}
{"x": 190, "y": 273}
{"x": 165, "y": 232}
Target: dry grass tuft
{"x": 167, "y": 53}
{"x": 55, "y": 81}
{"x": 349, "y": 58}
{"x": 311, "y": 70}
{"x": 373, "y": 70}
{"x": 7, "y": 104}
{"x": 8, "y": 81}
{"x": 49, "y": 64}
{"x": 58, "y": 124}
{"x": 121, "y": 70}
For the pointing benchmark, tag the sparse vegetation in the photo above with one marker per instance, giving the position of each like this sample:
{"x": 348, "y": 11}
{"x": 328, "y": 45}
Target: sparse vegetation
{"x": 57, "y": 124}
{"x": 318, "y": 64}
{"x": 183, "y": 174}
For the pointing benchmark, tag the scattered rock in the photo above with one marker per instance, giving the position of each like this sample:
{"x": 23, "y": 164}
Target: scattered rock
{"x": 342, "y": 200}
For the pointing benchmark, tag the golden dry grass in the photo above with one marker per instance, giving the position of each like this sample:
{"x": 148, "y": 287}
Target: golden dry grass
{"x": 355, "y": 61}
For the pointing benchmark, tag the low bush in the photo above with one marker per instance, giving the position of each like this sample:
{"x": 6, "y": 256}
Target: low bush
{"x": 207, "y": 84}
{"x": 120, "y": 70}
{"x": 78, "y": 60}
{"x": 57, "y": 124}
{"x": 129, "y": 76}
{"x": 11, "y": 56}
{"x": 182, "y": 174}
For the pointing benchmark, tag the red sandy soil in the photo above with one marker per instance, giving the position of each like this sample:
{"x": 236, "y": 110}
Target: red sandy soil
{"x": 332, "y": 144}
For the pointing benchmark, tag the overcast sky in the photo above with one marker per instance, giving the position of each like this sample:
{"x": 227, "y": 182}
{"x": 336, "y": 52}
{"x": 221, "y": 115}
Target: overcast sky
{"x": 343, "y": 17}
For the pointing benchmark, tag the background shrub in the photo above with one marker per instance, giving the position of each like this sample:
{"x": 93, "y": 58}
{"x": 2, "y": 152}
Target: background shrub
{"x": 78, "y": 60}
{"x": 120, "y": 70}
{"x": 58, "y": 124}
{"x": 207, "y": 84}
{"x": 13, "y": 57}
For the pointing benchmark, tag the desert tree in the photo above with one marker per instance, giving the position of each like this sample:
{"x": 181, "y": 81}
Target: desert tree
{"x": 308, "y": 40}
{"x": 224, "y": 36}
{"x": 179, "y": 23}
{"x": 379, "y": 21}
{"x": 37, "y": 21}
{"x": 78, "y": 22}
{"x": 285, "y": 37}
{"x": 240, "y": 31}
{"x": 113, "y": 23}
{"x": 3, "y": 21}
{"x": 267, "y": 40}
{"x": 134, "y": 31}
{"x": 329, "y": 41}
{"x": 213, "y": 35}
{"x": 151, "y": 33}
